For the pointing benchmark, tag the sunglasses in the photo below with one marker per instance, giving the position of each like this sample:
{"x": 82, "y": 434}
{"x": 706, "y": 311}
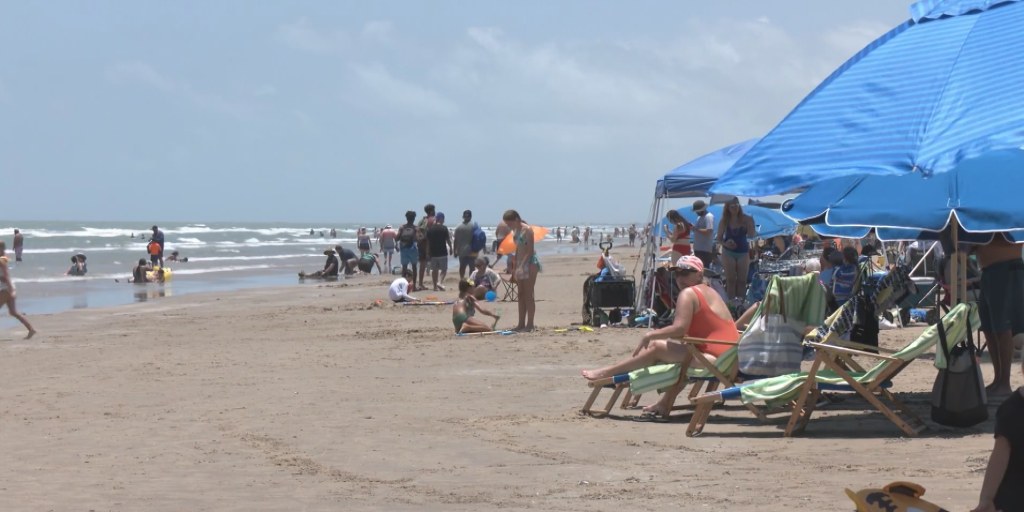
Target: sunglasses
{"x": 684, "y": 270}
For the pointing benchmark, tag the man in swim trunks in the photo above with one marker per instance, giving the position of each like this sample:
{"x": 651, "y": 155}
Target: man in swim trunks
{"x": 349, "y": 260}
{"x": 463, "y": 243}
{"x": 439, "y": 243}
{"x": 158, "y": 237}
{"x": 1000, "y": 307}
{"x": 421, "y": 240}
{"x": 19, "y": 244}
{"x": 387, "y": 242}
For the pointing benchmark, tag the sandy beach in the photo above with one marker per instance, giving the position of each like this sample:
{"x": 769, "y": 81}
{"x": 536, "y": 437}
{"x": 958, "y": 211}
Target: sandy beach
{"x": 313, "y": 397}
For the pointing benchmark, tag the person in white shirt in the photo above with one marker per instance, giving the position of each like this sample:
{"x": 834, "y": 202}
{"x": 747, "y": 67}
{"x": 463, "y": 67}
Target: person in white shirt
{"x": 484, "y": 279}
{"x": 399, "y": 289}
{"x": 703, "y": 233}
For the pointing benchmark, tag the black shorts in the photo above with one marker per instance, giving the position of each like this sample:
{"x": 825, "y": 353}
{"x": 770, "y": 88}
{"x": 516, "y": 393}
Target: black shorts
{"x": 365, "y": 266}
{"x": 422, "y": 247}
{"x": 1001, "y": 306}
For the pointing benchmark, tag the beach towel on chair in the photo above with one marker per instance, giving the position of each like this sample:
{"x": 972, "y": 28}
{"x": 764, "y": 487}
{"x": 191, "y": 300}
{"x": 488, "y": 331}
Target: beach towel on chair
{"x": 653, "y": 378}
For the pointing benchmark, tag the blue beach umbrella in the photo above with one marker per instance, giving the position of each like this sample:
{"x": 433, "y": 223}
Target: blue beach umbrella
{"x": 769, "y": 222}
{"x": 940, "y": 88}
{"x": 979, "y": 193}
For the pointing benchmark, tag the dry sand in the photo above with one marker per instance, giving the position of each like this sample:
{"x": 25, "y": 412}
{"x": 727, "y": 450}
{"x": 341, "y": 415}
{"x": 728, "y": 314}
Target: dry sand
{"x": 311, "y": 398}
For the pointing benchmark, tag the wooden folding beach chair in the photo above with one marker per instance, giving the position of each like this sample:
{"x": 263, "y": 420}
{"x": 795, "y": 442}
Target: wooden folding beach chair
{"x": 826, "y": 374}
{"x": 704, "y": 375}
{"x": 885, "y": 293}
{"x": 834, "y": 371}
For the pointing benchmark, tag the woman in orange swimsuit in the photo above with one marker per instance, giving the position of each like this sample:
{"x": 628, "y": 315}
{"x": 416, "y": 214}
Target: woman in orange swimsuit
{"x": 700, "y": 313}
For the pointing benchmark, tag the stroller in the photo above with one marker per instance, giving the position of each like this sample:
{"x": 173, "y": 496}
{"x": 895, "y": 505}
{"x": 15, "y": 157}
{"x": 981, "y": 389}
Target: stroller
{"x": 610, "y": 289}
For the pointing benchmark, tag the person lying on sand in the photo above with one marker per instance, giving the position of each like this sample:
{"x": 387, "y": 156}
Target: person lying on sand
{"x": 464, "y": 309}
{"x": 700, "y": 313}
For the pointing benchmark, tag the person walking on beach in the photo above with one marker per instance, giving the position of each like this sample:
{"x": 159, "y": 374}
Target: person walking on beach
{"x": 439, "y": 245}
{"x": 19, "y": 244}
{"x": 386, "y": 242}
{"x": 733, "y": 231}
{"x": 7, "y": 293}
{"x": 363, "y": 241}
{"x": 632, "y": 235}
{"x": 463, "y": 243}
{"x": 525, "y": 268}
{"x": 158, "y": 237}
{"x": 1000, "y": 307}
{"x": 408, "y": 252}
{"x": 421, "y": 240}
{"x": 703, "y": 233}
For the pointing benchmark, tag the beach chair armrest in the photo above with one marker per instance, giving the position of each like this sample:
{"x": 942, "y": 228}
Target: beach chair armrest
{"x": 862, "y": 346}
{"x": 848, "y": 351}
{"x": 701, "y": 341}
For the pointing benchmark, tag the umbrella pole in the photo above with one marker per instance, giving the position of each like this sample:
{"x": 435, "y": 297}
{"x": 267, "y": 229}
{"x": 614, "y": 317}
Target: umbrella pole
{"x": 954, "y": 264}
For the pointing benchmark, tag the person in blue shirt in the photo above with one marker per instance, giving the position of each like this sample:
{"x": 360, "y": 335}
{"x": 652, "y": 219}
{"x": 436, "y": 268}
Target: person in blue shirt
{"x": 845, "y": 276}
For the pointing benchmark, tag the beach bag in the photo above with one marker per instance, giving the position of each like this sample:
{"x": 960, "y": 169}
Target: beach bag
{"x": 407, "y": 235}
{"x": 773, "y": 345}
{"x": 958, "y": 395}
{"x": 479, "y": 240}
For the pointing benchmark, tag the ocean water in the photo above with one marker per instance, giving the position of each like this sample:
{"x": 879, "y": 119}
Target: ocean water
{"x": 221, "y": 257}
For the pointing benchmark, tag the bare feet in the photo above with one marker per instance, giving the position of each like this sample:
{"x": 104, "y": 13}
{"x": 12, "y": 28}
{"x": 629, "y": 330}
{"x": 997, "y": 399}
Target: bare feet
{"x": 592, "y": 374}
{"x": 31, "y": 333}
{"x": 655, "y": 410}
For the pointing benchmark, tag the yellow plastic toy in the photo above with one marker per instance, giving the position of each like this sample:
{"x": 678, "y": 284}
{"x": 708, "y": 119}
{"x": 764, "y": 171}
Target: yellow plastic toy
{"x": 895, "y": 497}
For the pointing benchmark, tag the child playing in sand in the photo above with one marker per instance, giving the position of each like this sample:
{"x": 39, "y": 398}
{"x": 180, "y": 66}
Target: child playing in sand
{"x": 1001, "y": 489}
{"x": 464, "y": 309}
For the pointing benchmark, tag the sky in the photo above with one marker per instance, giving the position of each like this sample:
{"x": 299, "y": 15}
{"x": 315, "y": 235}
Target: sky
{"x": 344, "y": 111}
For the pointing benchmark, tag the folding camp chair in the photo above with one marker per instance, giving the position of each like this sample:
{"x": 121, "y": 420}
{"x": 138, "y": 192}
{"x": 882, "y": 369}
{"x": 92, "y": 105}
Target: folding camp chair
{"x": 803, "y": 389}
{"x": 509, "y": 289}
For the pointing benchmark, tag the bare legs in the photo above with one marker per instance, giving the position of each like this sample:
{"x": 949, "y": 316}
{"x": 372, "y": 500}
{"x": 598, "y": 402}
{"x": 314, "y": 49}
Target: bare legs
{"x": 736, "y": 268}
{"x": 7, "y": 298}
{"x": 433, "y": 277}
{"x": 1000, "y": 348}
{"x": 527, "y": 301}
{"x": 658, "y": 351}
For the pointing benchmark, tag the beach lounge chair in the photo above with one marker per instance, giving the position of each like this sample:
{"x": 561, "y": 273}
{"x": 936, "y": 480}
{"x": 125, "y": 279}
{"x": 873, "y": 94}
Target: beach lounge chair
{"x": 805, "y": 300}
{"x": 883, "y": 293}
{"x": 803, "y": 389}
{"x": 701, "y": 373}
